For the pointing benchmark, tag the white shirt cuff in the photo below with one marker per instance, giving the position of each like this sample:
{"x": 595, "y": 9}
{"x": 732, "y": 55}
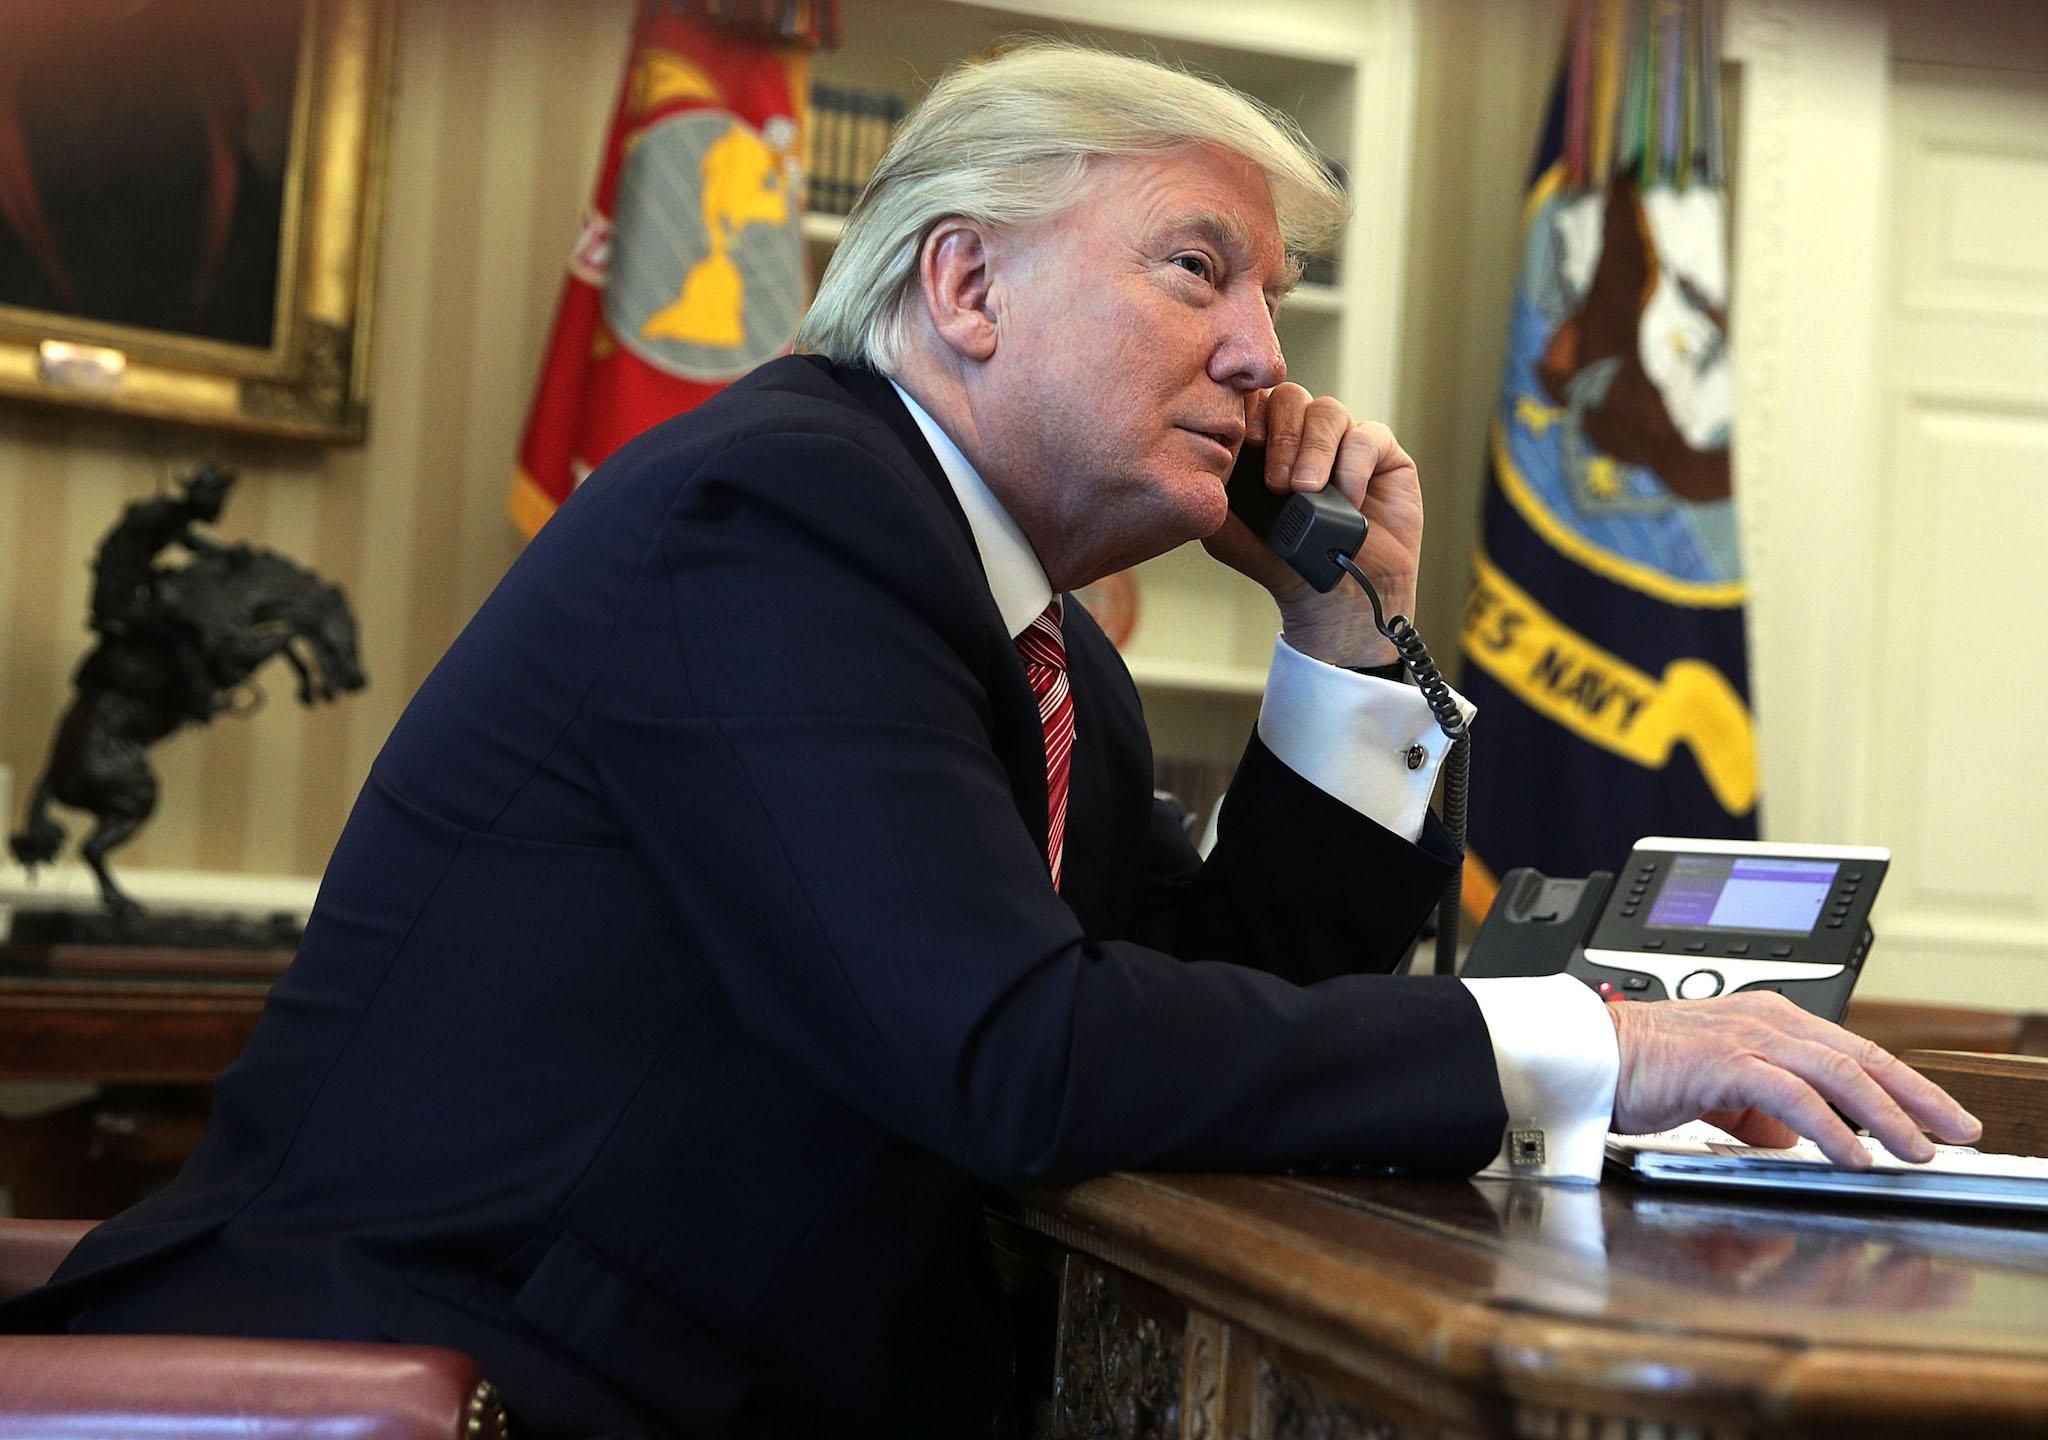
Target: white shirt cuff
{"x": 1558, "y": 1060}
{"x": 1350, "y": 736}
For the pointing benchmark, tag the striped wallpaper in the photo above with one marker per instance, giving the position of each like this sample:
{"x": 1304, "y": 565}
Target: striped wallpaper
{"x": 498, "y": 118}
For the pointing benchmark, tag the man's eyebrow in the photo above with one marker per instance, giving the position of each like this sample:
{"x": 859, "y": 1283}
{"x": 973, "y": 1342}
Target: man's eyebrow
{"x": 1228, "y": 234}
{"x": 1225, "y": 232}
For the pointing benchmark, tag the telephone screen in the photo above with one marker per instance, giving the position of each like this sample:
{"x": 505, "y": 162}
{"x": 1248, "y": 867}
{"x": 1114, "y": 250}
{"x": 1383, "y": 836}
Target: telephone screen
{"x": 1742, "y": 892}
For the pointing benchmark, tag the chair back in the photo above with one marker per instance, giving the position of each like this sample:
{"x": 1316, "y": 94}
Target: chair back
{"x": 31, "y": 1250}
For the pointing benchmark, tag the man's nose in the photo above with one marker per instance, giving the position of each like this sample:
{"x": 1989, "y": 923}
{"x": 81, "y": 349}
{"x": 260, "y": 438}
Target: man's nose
{"x": 1247, "y": 355}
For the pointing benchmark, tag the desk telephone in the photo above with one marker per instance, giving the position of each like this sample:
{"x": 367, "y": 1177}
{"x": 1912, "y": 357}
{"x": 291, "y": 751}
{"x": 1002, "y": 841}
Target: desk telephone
{"x": 1689, "y": 919}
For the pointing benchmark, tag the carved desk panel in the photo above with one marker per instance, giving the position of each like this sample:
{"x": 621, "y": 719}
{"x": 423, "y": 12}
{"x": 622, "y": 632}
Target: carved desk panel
{"x": 1270, "y": 1308}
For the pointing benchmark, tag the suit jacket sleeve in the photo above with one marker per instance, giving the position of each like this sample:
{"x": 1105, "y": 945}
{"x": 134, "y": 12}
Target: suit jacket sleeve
{"x": 801, "y": 660}
{"x": 1298, "y": 883}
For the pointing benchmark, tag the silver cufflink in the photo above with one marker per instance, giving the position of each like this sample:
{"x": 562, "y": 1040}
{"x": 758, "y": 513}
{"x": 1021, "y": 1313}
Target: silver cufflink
{"x": 1525, "y": 1148}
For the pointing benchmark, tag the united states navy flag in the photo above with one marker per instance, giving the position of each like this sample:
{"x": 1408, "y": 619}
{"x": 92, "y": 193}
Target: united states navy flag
{"x": 1603, "y": 633}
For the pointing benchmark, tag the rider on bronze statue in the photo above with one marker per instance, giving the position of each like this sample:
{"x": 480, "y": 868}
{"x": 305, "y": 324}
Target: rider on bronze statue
{"x": 177, "y": 645}
{"x": 125, "y": 598}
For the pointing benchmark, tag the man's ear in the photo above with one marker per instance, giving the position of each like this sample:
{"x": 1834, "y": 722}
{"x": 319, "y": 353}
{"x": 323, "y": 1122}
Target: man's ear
{"x": 955, "y": 272}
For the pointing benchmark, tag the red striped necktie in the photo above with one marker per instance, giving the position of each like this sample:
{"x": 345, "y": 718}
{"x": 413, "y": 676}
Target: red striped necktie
{"x": 1045, "y": 665}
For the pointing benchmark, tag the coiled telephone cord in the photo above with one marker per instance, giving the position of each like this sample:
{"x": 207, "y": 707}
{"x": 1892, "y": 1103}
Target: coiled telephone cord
{"x": 1415, "y": 658}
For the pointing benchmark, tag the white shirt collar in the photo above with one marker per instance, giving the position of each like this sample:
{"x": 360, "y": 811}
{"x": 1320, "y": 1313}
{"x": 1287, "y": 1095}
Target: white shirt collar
{"x": 1015, "y": 577}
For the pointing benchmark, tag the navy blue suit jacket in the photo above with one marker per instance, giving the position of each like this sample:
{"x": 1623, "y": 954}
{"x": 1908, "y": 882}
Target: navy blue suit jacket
{"x": 689, "y": 967}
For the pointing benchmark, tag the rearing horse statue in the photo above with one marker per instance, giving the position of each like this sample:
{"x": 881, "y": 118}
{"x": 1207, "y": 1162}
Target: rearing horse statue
{"x": 177, "y": 646}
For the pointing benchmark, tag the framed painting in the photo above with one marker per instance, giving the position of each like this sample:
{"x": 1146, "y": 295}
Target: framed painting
{"x": 189, "y": 199}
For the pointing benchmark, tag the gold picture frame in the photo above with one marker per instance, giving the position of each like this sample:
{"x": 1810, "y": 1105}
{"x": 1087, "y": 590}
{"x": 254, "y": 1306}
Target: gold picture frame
{"x": 281, "y": 143}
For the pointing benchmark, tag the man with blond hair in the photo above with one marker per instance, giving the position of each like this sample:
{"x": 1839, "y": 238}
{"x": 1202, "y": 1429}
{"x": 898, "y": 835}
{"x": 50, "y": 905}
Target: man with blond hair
{"x": 772, "y": 865}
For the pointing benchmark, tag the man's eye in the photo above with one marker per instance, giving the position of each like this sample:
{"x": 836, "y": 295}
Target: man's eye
{"x": 1197, "y": 265}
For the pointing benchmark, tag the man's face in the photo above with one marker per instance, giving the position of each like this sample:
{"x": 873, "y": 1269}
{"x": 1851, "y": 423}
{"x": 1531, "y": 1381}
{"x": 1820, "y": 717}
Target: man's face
{"x": 1130, "y": 330}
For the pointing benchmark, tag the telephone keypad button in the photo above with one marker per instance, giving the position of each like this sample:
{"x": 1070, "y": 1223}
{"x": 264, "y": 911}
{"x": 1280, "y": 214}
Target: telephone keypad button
{"x": 1780, "y": 952}
{"x": 1736, "y": 947}
{"x": 1696, "y": 947}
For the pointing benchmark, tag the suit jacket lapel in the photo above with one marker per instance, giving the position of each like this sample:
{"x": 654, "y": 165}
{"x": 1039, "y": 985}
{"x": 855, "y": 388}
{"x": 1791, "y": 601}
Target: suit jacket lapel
{"x": 1020, "y": 739}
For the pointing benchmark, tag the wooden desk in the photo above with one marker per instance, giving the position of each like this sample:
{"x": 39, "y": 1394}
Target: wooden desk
{"x": 110, "y": 1015}
{"x": 1268, "y": 1308}
{"x": 154, "y": 1026}
{"x": 1901, "y": 1026}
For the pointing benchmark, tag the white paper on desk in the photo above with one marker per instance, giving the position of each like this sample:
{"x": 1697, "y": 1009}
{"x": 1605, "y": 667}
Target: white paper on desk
{"x": 1701, "y": 1154}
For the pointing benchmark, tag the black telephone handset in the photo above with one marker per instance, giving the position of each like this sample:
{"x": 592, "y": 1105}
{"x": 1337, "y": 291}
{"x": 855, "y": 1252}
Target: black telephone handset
{"x": 1306, "y": 529}
{"x": 1319, "y": 533}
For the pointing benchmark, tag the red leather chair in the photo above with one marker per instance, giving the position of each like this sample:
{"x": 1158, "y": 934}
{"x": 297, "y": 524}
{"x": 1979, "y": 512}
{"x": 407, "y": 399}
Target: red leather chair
{"x": 163, "y": 1387}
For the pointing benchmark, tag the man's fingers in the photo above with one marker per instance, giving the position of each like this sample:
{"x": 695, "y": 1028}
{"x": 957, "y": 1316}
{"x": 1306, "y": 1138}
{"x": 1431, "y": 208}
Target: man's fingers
{"x": 1906, "y": 1102}
{"x": 1842, "y": 1080}
{"x": 1714, "y": 1057}
{"x": 1388, "y": 456}
{"x": 1285, "y": 406}
{"x": 1302, "y": 434}
{"x": 1935, "y": 1110}
{"x": 1368, "y": 453}
{"x": 1753, "y": 1127}
{"x": 1255, "y": 417}
{"x": 1780, "y": 1093}
{"x": 1324, "y": 425}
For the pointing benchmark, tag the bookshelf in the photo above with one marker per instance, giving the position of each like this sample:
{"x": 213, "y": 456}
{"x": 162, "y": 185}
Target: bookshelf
{"x": 1344, "y": 70}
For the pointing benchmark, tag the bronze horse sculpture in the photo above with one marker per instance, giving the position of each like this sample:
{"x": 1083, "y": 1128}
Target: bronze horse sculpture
{"x": 177, "y": 646}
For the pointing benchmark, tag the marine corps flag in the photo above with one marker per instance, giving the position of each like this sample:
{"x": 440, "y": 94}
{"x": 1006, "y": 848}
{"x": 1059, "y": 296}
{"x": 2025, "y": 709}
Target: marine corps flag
{"x": 1603, "y": 632}
{"x": 690, "y": 268}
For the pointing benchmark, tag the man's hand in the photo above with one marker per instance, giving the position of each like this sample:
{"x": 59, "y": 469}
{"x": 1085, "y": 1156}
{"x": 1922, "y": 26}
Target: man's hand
{"x": 1766, "y": 1071}
{"x": 1312, "y": 441}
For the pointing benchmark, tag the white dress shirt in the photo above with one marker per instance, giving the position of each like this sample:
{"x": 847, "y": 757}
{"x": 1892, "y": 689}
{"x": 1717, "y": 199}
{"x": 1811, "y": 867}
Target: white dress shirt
{"x": 1349, "y": 736}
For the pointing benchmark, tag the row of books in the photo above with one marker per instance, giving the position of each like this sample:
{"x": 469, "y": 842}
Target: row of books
{"x": 849, "y": 130}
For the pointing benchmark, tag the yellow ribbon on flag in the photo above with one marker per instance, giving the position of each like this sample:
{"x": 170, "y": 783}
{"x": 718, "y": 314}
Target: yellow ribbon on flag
{"x": 1602, "y": 698}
